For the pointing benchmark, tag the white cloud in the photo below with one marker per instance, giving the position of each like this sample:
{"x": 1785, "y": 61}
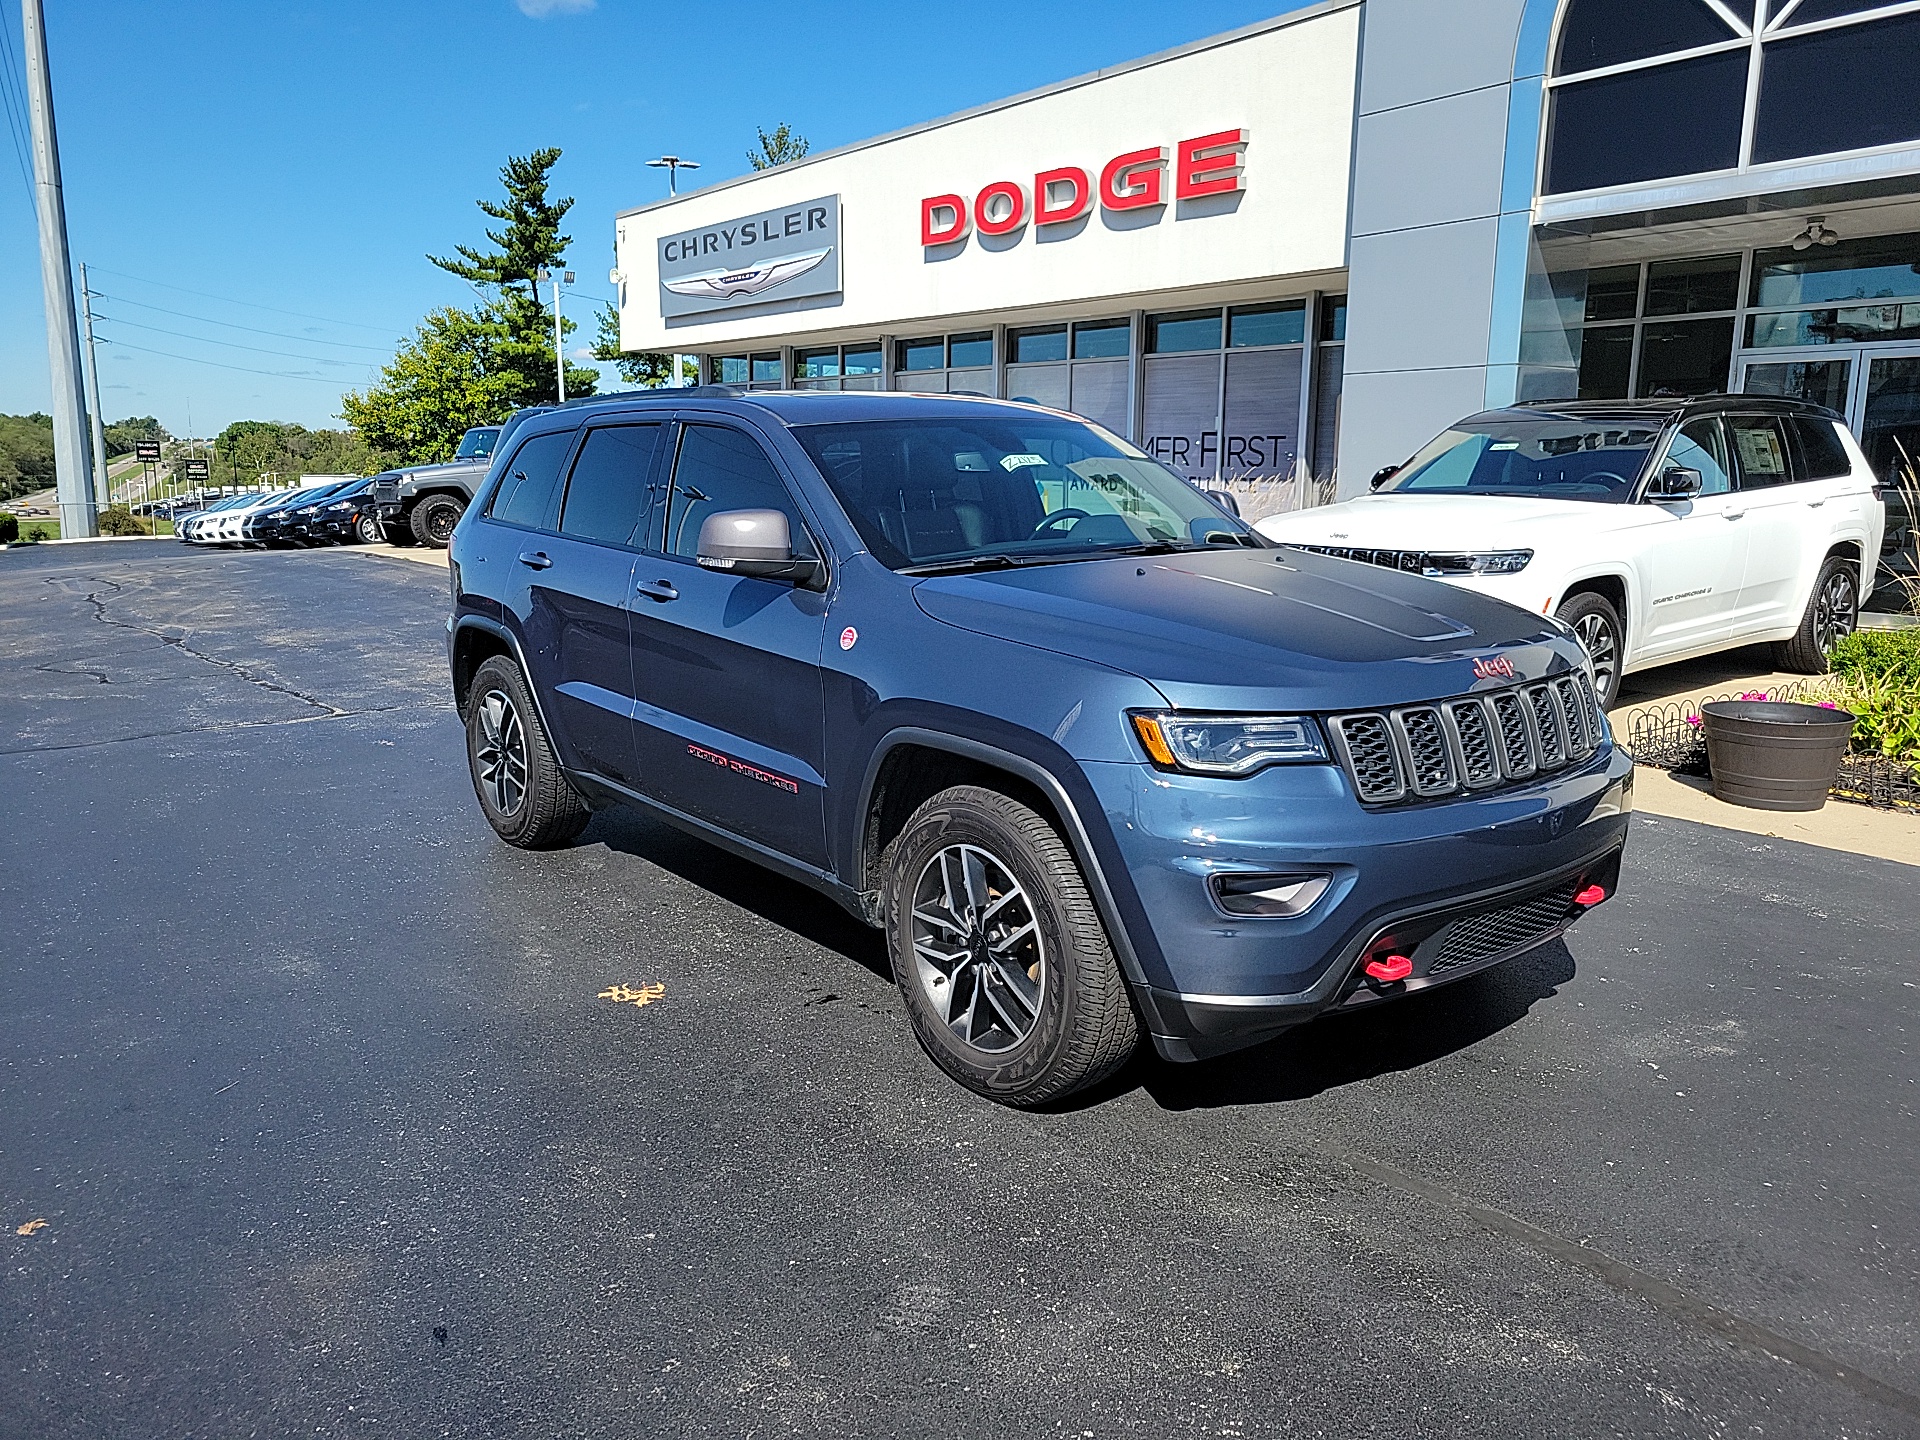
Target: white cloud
{"x": 540, "y": 9}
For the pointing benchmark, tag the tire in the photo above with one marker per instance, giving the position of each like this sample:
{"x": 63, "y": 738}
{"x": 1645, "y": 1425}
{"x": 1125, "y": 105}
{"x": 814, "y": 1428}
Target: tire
{"x": 433, "y": 519}
{"x": 367, "y": 530}
{"x": 1833, "y": 611}
{"x": 1597, "y": 623}
{"x": 1053, "y": 973}
{"x": 400, "y": 534}
{"x": 516, "y": 778}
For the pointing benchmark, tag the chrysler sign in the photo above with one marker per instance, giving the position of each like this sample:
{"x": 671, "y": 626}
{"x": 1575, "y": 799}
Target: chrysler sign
{"x": 1204, "y": 166}
{"x": 785, "y": 254}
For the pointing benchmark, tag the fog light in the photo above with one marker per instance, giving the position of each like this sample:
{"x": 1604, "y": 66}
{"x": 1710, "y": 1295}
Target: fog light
{"x": 1269, "y": 895}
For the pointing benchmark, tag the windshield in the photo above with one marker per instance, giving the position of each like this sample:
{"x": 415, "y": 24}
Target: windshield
{"x": 1551, "y": 457}
{"x": 1004, "y": 488}
{"x": 477, "y": 443}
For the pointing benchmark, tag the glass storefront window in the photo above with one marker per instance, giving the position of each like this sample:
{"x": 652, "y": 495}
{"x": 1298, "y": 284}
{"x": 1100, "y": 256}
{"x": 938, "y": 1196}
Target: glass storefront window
{"x": 1824, "y": 382}
{"x": 971, "y": 349}
{"x": 731, "y": 369}
{"x": 1679, "y": 119}
{"x": 1852, "y": 326}
{"x": 1041, "y": 342}
{"x": 1102, "y": 339}
{"x": 1606, "y": 362}
{"x": 1281, "y": 324}
{"x": 1685, "y": 357}
{"x": 1333, "y": 318}
{"x": 1594, "y": 33}
{"x": 1832, "y": 90}
{"x": 862, "y": 360}
{"x": 1811, "y": 10}
{"x": 1183, "y": 330}
{"x": 817, "y": 364}
{"x": 916, "y": 355}
{"x": 1689, "y": 287}
{"x": 766, "y": 366}
{"x": 1613, "y": 293}
{"x": 1879, "y": 269}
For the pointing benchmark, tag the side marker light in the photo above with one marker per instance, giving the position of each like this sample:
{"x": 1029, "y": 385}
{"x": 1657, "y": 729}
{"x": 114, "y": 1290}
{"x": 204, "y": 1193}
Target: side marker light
{"x": 1394, "y": 967}
{"x": 1590, "y": 897}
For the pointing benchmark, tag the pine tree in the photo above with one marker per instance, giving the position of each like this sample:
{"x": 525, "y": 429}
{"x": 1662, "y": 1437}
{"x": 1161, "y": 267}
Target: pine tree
{"x": 779, "y": 148}
{"x": 531, "y": 240}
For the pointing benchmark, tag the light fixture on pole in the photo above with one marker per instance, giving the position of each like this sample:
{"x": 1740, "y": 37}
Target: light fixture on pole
{"x": 559, "y": 352}
{"x": 673, "y": 165}
{"x": 1816, "y": 233}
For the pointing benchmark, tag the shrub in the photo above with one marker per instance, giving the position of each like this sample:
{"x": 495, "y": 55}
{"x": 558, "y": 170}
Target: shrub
{"x": 34, "y": 534}
{"x": 9, "y": 528}
{"x": 119, "y": 520}
{"x": 1876, "y": 676}
{"x": 1879, "y": 654}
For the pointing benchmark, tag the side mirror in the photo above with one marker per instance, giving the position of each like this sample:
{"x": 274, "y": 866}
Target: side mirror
{"x": 1382, "y": 475}
{"x": 753, "y": 542}
{"x": 1676, "y": 482}
{"x": 1224, "y": 500}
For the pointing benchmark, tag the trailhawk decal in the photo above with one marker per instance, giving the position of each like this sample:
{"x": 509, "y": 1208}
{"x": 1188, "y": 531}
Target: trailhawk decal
{"x": 741, "y": 767}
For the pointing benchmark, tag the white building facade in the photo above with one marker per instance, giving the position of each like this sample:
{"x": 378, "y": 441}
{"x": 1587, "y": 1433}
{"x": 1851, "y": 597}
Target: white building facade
{"x": 1305, "y": 247}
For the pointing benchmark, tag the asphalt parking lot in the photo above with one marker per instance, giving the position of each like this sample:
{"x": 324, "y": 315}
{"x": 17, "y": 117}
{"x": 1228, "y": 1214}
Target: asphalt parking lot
{"x": 334, "y": 1131}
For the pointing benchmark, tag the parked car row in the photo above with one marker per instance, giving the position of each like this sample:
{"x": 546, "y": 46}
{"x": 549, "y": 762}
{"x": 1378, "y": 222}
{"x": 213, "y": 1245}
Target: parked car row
{"x": 330, "y": 513}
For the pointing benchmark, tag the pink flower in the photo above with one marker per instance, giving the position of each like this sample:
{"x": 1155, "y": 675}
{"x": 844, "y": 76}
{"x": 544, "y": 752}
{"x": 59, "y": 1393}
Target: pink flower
{"x": 1754, "y": 695}
{"x": 1828, "y": 705}
{"x": 1693, "y": 719}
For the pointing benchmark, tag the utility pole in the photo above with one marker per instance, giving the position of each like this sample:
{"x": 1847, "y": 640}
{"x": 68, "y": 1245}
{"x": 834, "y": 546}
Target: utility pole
{"x": 559, "y": 352}
{"x": 102, "y": 486}
{"x": 74, "y": 485}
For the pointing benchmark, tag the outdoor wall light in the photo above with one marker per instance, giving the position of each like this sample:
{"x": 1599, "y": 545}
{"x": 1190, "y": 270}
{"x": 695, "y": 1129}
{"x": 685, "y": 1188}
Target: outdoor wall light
{"x": 1816, "y": 233}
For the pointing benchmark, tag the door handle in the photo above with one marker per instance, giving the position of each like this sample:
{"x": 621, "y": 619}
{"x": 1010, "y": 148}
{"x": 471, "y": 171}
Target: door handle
{"x": 661, "y": 590}
{"x": 535, "y": 559}
{"x": 1733, "y": 514}
{"x": 1815, "y": 504}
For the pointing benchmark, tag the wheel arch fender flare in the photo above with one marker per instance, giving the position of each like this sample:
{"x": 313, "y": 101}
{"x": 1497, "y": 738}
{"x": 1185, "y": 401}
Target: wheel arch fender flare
{"x": 1618, "y": 585}
{"x": 480, "y": 623}
{"x": 1112, "y": 903}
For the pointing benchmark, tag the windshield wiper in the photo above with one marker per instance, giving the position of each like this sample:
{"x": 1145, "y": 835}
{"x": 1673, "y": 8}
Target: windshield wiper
{"x": 961, "y": 567}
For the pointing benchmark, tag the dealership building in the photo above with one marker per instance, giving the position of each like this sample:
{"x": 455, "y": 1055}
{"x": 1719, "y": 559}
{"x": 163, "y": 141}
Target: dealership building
{"x": 1303, "y": 248}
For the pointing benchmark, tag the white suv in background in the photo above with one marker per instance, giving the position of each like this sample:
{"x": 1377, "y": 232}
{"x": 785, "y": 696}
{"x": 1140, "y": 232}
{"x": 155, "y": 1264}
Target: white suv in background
{"x": 1657, "y": 529}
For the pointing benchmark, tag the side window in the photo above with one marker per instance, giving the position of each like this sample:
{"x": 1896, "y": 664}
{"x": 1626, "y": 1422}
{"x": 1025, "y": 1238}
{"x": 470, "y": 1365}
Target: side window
{"x": 1822, "y": 456}
{"x": 1760, "y": 447}
{"x": 1701, "y": 445}
{"x": 525, "y": 496}
{"x": 607, "y": 495}
{"x": 720, "y": 469}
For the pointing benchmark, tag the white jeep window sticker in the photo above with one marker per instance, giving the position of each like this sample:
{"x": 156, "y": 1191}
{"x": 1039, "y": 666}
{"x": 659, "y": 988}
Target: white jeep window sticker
{"x": 1760, "y": 450}
{"x": 1018, "y": 462}
{"x": 1504, "y": 445}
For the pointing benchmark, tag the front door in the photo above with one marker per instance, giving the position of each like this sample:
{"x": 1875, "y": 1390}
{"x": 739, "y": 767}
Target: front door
{"x": 1697, "y": 553}
{"x": 730, "y": 714}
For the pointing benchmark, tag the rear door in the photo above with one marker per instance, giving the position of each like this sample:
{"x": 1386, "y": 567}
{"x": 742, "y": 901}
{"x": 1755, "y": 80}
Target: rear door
{"x": 729, "y": 719}
{"x": 1695, "y": 555}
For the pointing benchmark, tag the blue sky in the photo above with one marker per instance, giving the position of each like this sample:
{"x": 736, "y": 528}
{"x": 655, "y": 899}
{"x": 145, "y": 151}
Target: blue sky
{"x": 305, "y": 157}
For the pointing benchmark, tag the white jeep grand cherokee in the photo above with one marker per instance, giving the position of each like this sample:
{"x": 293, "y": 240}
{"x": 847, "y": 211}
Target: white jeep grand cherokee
{"x": 1657, "y": 529}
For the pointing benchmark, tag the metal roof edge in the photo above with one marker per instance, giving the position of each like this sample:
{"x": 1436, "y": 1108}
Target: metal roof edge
{"x": 1192, "y": 47}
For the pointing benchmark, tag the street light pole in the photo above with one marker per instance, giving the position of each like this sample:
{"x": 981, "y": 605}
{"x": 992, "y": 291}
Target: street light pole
{"x": 559, "y": 352}
{"x": 102, "y": 486}
{"x": 673, "y": 165}
{"x": 73, "y": 483}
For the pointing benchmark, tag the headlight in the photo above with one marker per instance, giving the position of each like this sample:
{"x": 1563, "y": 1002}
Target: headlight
{"x": 1483, "y": 562}
{"x": 1228, "y": 744}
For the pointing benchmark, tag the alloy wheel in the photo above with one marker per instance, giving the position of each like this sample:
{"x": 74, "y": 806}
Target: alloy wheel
{"x": 1602, "y": 645}
{"x": 1835, "y": 613}
{"x": 501, "y": 756}
{"x": 440, "y": 523}
{"x": 977, "y": 948}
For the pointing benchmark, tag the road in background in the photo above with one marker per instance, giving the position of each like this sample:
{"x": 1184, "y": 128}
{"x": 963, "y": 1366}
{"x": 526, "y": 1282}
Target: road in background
{"x": 335, "y": 1129}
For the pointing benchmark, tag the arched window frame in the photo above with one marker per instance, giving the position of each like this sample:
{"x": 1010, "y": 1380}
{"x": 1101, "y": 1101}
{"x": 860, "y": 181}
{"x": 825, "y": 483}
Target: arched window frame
{"x": 1773, "y": 20}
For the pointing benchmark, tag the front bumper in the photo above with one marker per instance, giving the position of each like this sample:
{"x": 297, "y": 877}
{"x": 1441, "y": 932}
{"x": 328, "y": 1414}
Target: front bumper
{"x": 1402, "y": 878}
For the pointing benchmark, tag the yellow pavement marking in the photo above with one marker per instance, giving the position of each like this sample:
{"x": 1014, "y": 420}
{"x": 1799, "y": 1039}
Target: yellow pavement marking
{"x": 30, "y": 1227}
{"x": 628, "y": 995}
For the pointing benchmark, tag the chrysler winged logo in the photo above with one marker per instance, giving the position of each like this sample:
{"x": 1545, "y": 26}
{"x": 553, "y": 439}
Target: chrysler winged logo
{"x": 726, "y": 284}
{"x": 1493, "y": 667}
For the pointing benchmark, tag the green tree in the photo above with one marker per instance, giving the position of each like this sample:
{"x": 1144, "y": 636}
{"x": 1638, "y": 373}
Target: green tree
{"x": 26, "y": 454}
{"x": 531, "y": 238}
{"x": 640, "y": 367}
{"x": 122, "y": 435}
{"x": 784, "y": 145}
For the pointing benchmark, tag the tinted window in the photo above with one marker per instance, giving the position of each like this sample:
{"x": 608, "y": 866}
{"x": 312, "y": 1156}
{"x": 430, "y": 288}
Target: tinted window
{"x": 1613, "y": 293}
{"x": 1267, "y": 324}
{"x": 1832, "y": 90}
{"x": 1702, "y": 446}
{"x": 1822, "y": 456}
{"x": 525, "y": 496}
{"x": 1760, "y": 449}
{"x": 1611, "y": 32}
{"x": 1102, "y": 339}
{"x": 922, "y": 354}
{"x": 1193, "y": 330}
{"x": 1688, "y": 287}
{"x": 976, "y": 349}
{"x": 1046, "y": 342}
{"x": 1333, "y": 317}
{"x": 862, "y": 360}
{"x": 1685, "y": 357}
{"x": 1648, "y": 124}
{"x": 1606, "y": 362}
{"x": 607, "y": 495}
{"x": 721, "y": 469}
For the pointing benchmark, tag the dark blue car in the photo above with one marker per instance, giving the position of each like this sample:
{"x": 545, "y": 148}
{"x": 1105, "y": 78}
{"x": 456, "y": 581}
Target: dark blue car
{"x": 1101, "y": 760}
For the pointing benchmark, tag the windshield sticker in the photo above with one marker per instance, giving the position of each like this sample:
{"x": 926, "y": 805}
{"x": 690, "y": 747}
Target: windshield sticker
{"x": 970, "y": 460}
{"x": 1016, "y": 462}
{"x": 1760, "y": 450}
{"x": 1504, "y": 445}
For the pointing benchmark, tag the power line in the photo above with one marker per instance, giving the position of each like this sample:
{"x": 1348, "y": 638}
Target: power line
{"x": 230, "y": 344}
{"x": 243, "y": 369}
{"x": 250, "y": 304}
{"x": 231, "y": 325}
{"x": 15, "y": 98}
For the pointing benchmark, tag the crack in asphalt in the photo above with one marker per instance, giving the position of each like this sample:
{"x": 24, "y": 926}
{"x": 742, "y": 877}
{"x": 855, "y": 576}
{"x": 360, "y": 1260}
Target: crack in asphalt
{"x": 179, "y": 642}
{"x": 1628, "y": 1280}
{"x": 231, "y": 725}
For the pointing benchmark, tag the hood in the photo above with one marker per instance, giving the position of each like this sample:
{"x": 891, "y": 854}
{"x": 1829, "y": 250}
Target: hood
{"x": 1445, "y": 522}
{"x": 449, "y": 468}
{"x": 1258, "y": 629}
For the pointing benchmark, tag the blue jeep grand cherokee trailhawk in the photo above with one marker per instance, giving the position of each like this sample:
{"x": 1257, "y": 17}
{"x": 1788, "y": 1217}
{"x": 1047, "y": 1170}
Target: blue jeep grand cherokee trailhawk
{"x": 1099, "y": 759}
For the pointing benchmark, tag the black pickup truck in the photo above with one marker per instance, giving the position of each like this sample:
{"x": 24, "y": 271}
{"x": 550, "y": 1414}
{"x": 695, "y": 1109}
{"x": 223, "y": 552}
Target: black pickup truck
{"x": 424, "y": 502}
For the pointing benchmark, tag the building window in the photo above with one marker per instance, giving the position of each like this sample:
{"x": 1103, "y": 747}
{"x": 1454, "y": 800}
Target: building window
{"x": 1183, "y": 330}
{"x": 1040, "y": 342}
{"x": 837, "y": 367}
{"x": 1284, "y": 324}
{"x": 1333, "y": 319}
{"x": 1632, "y": 342}
{"x": 1221, "y": 392}
{"x": 1329, "y": 377}
{"x": 1658, "y": 89}
{"x": 1102, "y": 339}
{"x": 816, "y": 364}
{"x": 917, "y": 355}
{"x": 970, "y": 351}
{"x": 958, "y": 363}
{"x": 730, "y": 369}
{"x": 767, "y": 368}
{"x": 858, "y": 360}
{"x": 1876, "y": 280}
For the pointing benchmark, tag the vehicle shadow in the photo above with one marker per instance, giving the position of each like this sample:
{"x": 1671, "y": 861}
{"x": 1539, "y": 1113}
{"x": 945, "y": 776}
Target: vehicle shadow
{"x": 786, "y": 903}
{"x": 1345, "y": 1049}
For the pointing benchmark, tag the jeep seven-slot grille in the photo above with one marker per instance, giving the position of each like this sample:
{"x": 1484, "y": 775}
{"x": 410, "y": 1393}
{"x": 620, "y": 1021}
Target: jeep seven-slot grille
{"x": 1474, "y": 742}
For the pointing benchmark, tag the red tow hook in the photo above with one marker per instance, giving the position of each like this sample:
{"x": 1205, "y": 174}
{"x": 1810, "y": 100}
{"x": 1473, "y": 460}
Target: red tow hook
{"x": 1589, "y": 897}
{"x": 1394, "y": 967}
